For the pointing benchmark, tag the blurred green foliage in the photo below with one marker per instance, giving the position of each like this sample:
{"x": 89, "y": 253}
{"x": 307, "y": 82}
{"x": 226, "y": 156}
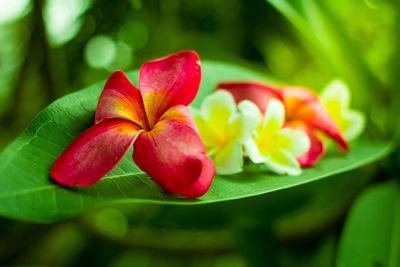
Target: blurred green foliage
{"x": 52, "y": 47}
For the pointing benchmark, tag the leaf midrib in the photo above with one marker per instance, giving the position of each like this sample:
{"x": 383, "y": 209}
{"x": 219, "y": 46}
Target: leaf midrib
{"x": 55, "y": 186}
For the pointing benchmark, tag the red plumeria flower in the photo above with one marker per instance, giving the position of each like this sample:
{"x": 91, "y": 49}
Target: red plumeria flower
{"x": 155, "y": 120}
{"x": 303, "y": 110}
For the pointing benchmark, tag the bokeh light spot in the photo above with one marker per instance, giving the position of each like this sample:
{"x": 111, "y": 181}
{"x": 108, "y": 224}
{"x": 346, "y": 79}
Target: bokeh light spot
{"x": 134, "y": 33}
{"x": 12, "y": 10}
{"x": 136, "y": 4}
{"x": 123, "y": 57}
{"x": 111, "y": 222}
{"x": 63, "y": 19}
{"x": 100, "y": 51}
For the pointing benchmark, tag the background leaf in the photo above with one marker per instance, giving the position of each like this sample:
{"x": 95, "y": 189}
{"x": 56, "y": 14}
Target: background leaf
{"x": 27, "y": 190}
{"x": 371, "y": 235}
{"x": 323, "y": 36}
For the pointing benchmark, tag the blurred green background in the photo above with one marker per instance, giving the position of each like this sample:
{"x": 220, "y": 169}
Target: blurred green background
{"x": 50, "y": 48}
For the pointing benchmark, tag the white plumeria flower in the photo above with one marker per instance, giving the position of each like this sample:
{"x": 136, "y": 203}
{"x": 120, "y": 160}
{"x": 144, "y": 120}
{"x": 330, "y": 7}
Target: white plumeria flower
{"x": 277, "y": 147}
{"x": 336, "y": 99}
{"x": 224, "y": 127}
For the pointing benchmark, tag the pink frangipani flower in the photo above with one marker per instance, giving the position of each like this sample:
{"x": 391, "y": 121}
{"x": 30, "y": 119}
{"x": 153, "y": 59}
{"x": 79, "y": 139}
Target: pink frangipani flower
{"x": 154, "y": 120}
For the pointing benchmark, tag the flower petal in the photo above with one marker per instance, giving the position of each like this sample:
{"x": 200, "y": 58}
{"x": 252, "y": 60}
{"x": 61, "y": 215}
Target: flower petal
{"x": 218, "y": 107}
{"x": 294, "y": 141}
{"x": 169, "y": 81}
{"x": 253, "y": 152}
{"x": 353, "y": 123}
{"x": 121, "y": 99}
{"x": 258, "y": 93}
{"x": 173, "y": 154}
{"x": 304, "y": 105}
{"x": 335, "y": 96}
{"x": 336, "y": 99}
{"x": 229, "y": 159}
{"x": 316, "y": 150}
{"x": 180, "y": 113}
{"x": 243, "y": 124}
{"x": 274, "y": 117}
{"x": 283, "y": 162}
{"x": 216, "y": 110}
{"x": 94, "y": 152}
{"x": 209, "y": 139}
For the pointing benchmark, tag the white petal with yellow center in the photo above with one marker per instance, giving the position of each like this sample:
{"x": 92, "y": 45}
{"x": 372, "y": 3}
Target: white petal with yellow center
{"x": 274, "y": 116}
{"x": 277, "y": 148}
{"x": 216, "y": 110}
{"x": 229, "y": 159}
{"x": 209, "y": 139}
{"x": 283, "y": 162}
{"x": 224, "y": 128}
{"x": 243, "y": 123}
{"x": 254, "y": 153}
{"x": 336, "y": 99}
{"x": 294, "y": 141}
{"x": 353, "y": 121}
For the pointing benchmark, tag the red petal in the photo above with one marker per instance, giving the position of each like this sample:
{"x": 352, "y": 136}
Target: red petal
{"x": 94, "y": 152}
{"x": 166, "y": 82}
{"x": 316, "y": 151}
{"x": 120, "y": 98}
{"x": 258, "y": 93}
{"x": 304, "y": 105}
{"x": 173, "y": 155}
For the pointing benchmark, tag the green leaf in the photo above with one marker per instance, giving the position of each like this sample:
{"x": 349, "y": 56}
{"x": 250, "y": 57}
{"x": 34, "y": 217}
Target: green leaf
{"x": 371, "y": 235}
{"x": 28, "y": 192}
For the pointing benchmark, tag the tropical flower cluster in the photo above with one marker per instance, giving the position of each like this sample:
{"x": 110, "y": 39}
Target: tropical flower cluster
{"x": 295, "y": 125}
{"x": 226, "y": 129}
{"x": 182, "y": 149}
